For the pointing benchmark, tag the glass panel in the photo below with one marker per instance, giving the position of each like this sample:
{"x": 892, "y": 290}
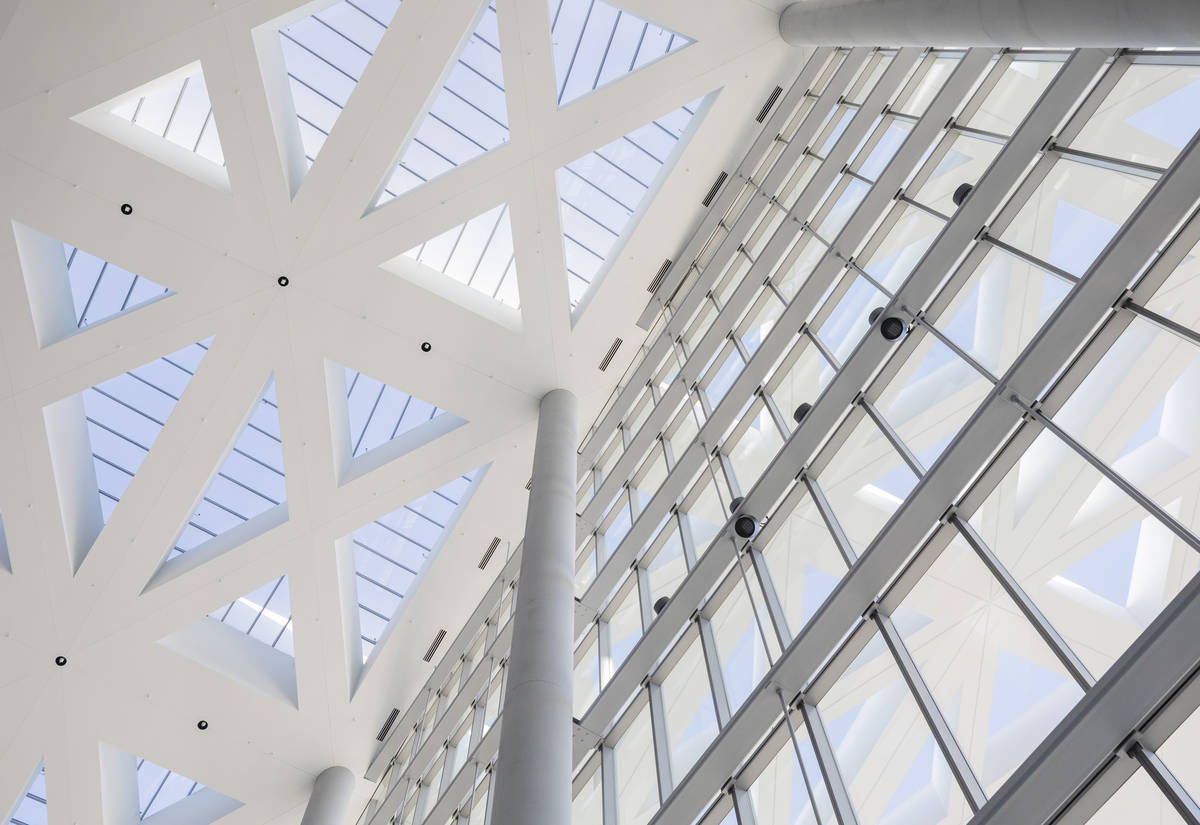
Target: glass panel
{"x": 847, "y": 321}
{"x": 1179, "y": 296}
{"x": 1013, "y": 95}
{"x": 766, "y": 311}
{"x": 780, "y": 796}
{"x": 999, "y": 309}
{"x": 1179, "y": 753}
{"x": 691, "y": 717}
{"x": 668, "y": 567}
{"x": 918, "y": 100}
{"x": 804, "y": 563}
{"x": 636, "y": 776}
{"x": 1074, "y": 213}
{"x": 892, "y": 262}
{"x": 587, "y": 808}
{"x": 708, "y": 514}
{"x": 844, "y": 207}
{"x": 1098, "y": 565}
{"x": 625, "y": 628}
{"x": 1151, "y": 113}
{"x": 739, "y": 644}
{"x": 1138, "y": 800}
{"x": 865, "y": 482}
{"x": 799, "y": 379}
{"x": 886, "y": 754}
{"x": 754, "y": 448}
{"x": 998, "y": 685}
{"x": 719, "y": 382}
{"x": 685, "y": 426}
{"x": 931, "y": 397}
{"x": 620, "y": 519}
{"x": 964, "y": 162}
{"x": 872, "y": 166}
{"x": 587, "y": 676}
{"x": 803, "y": 260}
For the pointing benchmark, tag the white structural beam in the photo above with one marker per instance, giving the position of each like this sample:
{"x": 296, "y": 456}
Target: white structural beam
{"x": 1077, "y": 23}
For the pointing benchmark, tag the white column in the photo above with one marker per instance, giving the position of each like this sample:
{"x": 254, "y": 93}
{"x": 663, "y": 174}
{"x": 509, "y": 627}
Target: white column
{"x": 1072, "y": 23}
{"x": 533, "y": 773}
{"x": 330, "y": 797}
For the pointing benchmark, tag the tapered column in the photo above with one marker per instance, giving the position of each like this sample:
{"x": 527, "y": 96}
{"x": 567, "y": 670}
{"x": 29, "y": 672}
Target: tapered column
{"x": 533, "y": 774}
{"x": 330, "y": 797}
{"x": 1000, "y": 23}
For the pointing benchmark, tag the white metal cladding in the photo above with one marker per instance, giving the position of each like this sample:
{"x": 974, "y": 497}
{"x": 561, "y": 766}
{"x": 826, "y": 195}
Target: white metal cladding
{"x": 1105, "y": 718}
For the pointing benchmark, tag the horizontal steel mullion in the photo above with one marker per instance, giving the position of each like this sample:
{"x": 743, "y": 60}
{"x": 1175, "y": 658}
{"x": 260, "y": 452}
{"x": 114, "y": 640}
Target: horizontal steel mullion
{"x": 712, "y": 216}
{"x": 1179, "y": 798}
{"x": 465, "y": 637}
{"x": 1189, "y": 335}
{"x": 956, "y": 760}
{"x": 835, "y": 784}
{"x": 823, "y": 634}
{"x": 711, "y": 566}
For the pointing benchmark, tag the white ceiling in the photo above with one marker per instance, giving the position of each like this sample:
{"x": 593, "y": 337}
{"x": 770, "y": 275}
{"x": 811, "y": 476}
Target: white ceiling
{"x": 221, "y": 252}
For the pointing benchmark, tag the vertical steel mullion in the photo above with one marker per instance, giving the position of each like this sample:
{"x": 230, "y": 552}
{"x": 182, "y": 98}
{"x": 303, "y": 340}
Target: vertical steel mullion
{"x": 1179, "y": 798}
{"x": 774, "y": 606}
{"x": 608, "y": 785}
{"x": 776, "y": 414}
{"x": 831, "y": 522}
{"x": 762, "y": 633}
{"x": 686, "y": 539}
{"x": 716, "y": 677}
{"x": 968, "y": 782}
{"x": 835, "y": 785}
{"x": 661, "y": 739}
{"x": 604, "y": 650}
{"x": 1073, "y": 664}
{"x": 795, "y": 740}
{"x": 893, "y": 438}
{"x": 743, "y": 807}
{"x": 645, "y": 605}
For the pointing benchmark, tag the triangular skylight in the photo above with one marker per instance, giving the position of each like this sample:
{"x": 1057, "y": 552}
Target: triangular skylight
{"x": 381, "y": 422}
{"x": 390, "y": 553}
{"x": 160, "y": 788}
{"x": 602, "y": 194}
{"x": 70, "y": 289}
{"x": 468, "y": 117}
{"x": 248, "y": 485}
{"x": 169, "y": 119}
{"x": 175, "y": 107}
{"x": 265, "y": 615}
{"x": 596, "y": 43}
{"x": 136, "y": 789}
{"x": 30, "y": 808}
{"x": 5, "y": 563}
{"x": 325, "y": 55}
{"x": 100, "y": 437}
{"x": 478, "y": 253}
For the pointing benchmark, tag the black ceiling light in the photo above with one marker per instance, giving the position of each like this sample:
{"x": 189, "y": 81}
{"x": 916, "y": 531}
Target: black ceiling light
{"x": 745, "y": 526}
{"x": 126, "y": 209}
{"x": 801, "y": 412}
{"x": 960, "y": 194}
{"x": 875, "y": 313}
{"x": 426, "y": 346}
{"x": 61, "y": 661}
{"x": 282, "y": 280}
{"x": 661, "y": 604}
{"x": 891, "y": 328}
{"x": 736, "y": 503}
{"x": 202, "y": 725}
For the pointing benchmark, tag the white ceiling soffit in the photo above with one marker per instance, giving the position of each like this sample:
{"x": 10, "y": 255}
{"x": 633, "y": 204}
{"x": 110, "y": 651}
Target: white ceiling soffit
{"x": 192, "y": 448}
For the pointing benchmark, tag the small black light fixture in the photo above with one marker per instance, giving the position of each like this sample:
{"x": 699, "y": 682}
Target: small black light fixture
{"x": 661, "y": 603}
{"x": 61, "y": 661}
{"x": 426, "y": 346}
{"x": 126, "y": 209}
{"x": 283, "y": 280}
{"x": 202, "y": 725}
{"x": 745, "y": 526}
{"x": 874, "y": 316}
{"x": 736, "y": 503}
{"x": 801, "y": 412}
{"x": 960, "y": 194}
{"x": 891, "y": 328}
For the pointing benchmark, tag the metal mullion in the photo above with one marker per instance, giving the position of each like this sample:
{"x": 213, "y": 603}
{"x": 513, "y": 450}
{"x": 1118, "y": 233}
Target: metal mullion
{"x": 1165, "y": 323}
{"x": 1148, "y": 504}
{"x": 716, "y": 677}
{"x": 1029, "y": 258}
{"x": 608, "y": 786}
{"x": 795, "y": 741}
{"x": 928, "y": 210}
{"x": 1033, "y": 614}
{"x": 762, "y": 633}
{"x": 981, "y": 134}
{"x": 776, "y": 414}
{"x": 774, "y": 606}
{"x": 824, "y": 350}
{"x": 893, "y": 438}
{"x": 743, "y": 808}
{"x": 1179, "y": 798}
{"x": 831, "y": 523}
{"x": 835, "y": 785}
{"x": 728, "y": 194}
{"x": 851, "y": 263}
{"x": 604, "y": 650}
{"x": 955, "y": 348}
{"x": 956, "y": 760}
{"x": 1129, "y": 167}
{"x": 660, "y": 738}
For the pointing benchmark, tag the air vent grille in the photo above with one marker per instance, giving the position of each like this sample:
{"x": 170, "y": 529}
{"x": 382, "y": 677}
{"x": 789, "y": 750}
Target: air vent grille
{"x": 608, "y": 356}
{"x": 766, "y": 109}
{"x": 437, "y": 641}
{"x": 712, "y": 192}
{"x": 487, "y": 554}
{"x": 387, "y": 725}
{"x": 658, "y": 276}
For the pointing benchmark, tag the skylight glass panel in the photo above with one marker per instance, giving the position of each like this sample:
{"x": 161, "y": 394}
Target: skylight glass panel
{"x": 601, "y": 193}
{"x": 101, "y": 290}
{"x": 478, "y": 253}
{"x": 159, "y": 788}
{"x": 31, "y": 809}
{"x": 325, "y": 55}
{"x": 249, "y": 482}
{"x": 468, "y": 117}
{"x": 596, "y": 43}
{"x": 125, "y": 415}
{"x": 392, "y": 551}
{"x": 265, "y": 615}
{"x": 177, "y": 108}
{"x": 379, "y": 413}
